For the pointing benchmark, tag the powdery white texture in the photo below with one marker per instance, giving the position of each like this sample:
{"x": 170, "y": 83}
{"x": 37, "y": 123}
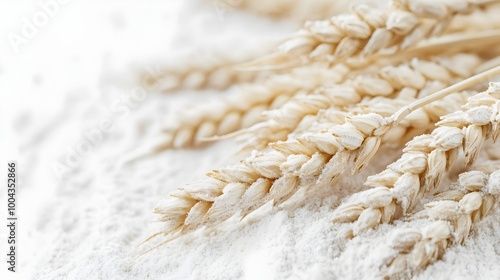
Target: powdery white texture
{"x": 90, "y": 225}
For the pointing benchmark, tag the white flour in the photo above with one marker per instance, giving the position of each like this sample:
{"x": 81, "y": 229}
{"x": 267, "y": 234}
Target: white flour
{"x": 89, "y": 224}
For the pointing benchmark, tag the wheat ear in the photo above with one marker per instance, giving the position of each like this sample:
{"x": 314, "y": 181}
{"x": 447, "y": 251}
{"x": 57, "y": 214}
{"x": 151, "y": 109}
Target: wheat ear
{"x": 415, "y": 78}
{"x": 456, "y": 210}
{"x": 426, "y": 158}
{"x": 228, "y": 116}
{"x": 367, "y": 31}
{"x": 242, "y": 110}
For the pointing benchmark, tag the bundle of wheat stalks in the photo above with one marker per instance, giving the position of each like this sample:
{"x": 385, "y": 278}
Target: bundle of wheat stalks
{"x": 413, "y": 75}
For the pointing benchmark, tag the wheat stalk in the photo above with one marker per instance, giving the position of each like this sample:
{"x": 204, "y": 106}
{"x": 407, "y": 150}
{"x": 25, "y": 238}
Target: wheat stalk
{"x": 366, "y": 31}
{"x": 416, "y": 78}
{"x": 456, "y": 212}
{"x": 426, "y": 158}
